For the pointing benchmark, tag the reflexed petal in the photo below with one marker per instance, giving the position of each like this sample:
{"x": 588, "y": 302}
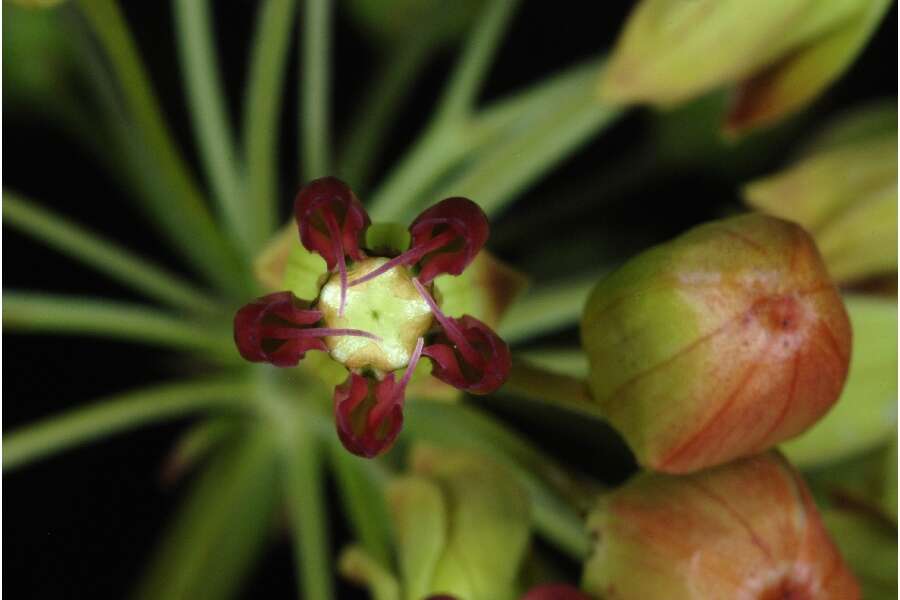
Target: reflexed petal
{"x": 260, "y": 330}
{"x": 453, "y": 231}
{"x": 368, "y": 414}
{"x": 331, "y": 220}
{"x": 470, "y": 356}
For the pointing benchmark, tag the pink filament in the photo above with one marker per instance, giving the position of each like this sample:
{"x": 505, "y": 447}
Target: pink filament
{"x": 413, "y": 361}
{"x": 337, "y": 240}
{"x": 453, "y": 332}
{"x": 288, "y": 333}
{"x": 409, "y": 257}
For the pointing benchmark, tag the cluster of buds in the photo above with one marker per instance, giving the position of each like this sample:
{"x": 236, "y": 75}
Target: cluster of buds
{"x": 779, "y": 54}
{"x": 377, "y": 314}
{"x": 718, "y": 344}
{"x": 748, "y": 530}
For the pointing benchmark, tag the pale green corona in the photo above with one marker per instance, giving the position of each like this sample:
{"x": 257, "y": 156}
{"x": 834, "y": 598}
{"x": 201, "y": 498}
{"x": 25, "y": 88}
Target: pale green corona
{"x": 387, "y": 306}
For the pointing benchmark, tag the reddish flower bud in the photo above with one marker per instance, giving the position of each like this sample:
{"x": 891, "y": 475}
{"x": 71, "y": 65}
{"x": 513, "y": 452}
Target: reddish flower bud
{"x": 277, "y": 329}
{"x": 448, "y": 236}
{"x": 368, "y": 414}
{"x": 555, "y": 591}
{"x": 748, "y": 530}
{"x": 719, "y": 344}
{"x": 467, "y": 354}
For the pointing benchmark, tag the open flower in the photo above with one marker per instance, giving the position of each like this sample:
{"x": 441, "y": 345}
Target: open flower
{"x": 376, "y": 311}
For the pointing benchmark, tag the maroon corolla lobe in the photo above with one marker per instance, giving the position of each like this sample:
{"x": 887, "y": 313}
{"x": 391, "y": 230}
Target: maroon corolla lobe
{"x": 448, "y": 235}
{"x": 368, "y": 414}
{"x": 277, "y": 329}
{"x": 331, "y": 220}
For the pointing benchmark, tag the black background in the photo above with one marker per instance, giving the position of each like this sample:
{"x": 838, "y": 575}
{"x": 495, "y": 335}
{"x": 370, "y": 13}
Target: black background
{"x": 82, "y": 524}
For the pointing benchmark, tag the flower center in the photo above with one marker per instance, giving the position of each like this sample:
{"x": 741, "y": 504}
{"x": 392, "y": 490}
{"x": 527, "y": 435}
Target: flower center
{"x": 388, "y": 306}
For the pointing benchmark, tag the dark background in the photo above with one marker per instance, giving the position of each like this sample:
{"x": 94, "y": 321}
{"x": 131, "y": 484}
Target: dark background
{"x": 81, "y": 524}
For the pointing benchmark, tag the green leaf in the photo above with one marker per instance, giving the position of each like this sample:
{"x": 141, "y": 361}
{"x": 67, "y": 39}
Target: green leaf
{"x": 105, "y": 256}
{"x": 119, "y": 413}
{"x": 304, "y": 490}
{"x": 315, "y": 89}
{"x": 865, "y": 416}
{"x": 173, "y": 198}
{"x": 359, "y": 567}
{"x": 206, "y": 102}
{"x": 73, "y": 315}
{"x": 221, "y": 529}
{"x": 268, "y": 61}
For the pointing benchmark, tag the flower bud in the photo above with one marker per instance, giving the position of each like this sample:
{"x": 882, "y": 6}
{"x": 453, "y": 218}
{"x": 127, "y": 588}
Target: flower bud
{"x": 748, "y": 530}
{"x": 462, "y": 526}
{"x": 782, "y": 53}
{"x": 845, "y": 194}
{"x": 718, "y": 344}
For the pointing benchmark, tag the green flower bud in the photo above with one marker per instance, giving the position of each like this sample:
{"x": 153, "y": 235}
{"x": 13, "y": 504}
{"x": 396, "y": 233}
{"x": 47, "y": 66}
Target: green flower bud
{"x": 782, "y": 53}
{"x": 845, "y": 193}
{"x": 461, "y": 526}
{"x": 718, "y": 344}
{"x": 748, "y": 530}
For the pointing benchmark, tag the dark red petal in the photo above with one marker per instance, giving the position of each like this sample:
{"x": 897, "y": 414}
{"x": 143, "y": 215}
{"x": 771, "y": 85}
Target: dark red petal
{"x": 368, "y": 414}
{"x": 261, "y": 330}
{"x": 482, "y": 373}
{"x": 555, "y": 591}
{"x": 467, "y": 230}
{"x": 330, "y": 200}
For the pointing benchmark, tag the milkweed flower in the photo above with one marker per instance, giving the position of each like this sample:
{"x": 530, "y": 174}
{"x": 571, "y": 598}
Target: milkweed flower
{"x": 376, "y": 312}
{"x": 718, "y": 344}
{"x": 748, "y": 530}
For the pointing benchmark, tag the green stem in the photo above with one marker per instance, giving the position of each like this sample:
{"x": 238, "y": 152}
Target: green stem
{"x": 215, "y": 139}
{"x": 181, "y": 211}
{"x": 466, "y": 80}
{"x": 305, "y": 492}
{"x": 377, "y": 111}
{"x": 568, "y": 361}
{"x": 315, "y": 91}
{"x": 117, "y": 414}
{"x": 46, "y": 313}
{"x": 263, "y": 103}
{"x": 549, "y": 308}
{"x": 103, "y": 255}
{"x": 556, "y": 389}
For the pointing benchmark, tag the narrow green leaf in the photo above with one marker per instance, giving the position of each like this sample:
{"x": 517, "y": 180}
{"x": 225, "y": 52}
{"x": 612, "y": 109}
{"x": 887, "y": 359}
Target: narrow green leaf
{"x": 221, "y": 529}
{"x": 119, "y": 413}
{"x": 206, "y": 101}
{"x": 303, "y": 476}
{"x": 361, "y": 496}
{"x": 105, "y": 256}
{"x": 502, "y": 170}
{"x": 268, "y": 61}
{"x": 46, "y": 313}
{"x": 549, "y": 308}
{"x": 568, "y": 361}
{"x": 178, "y": 207}
{"x": 315, "y": 89}
{"x": 470, "y": 71}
